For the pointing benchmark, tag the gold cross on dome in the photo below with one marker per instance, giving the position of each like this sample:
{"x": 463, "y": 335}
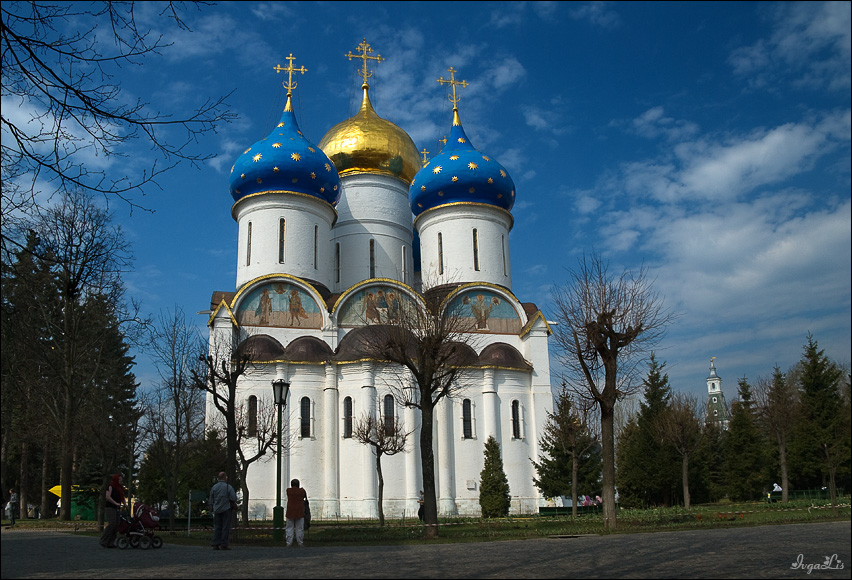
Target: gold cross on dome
{"x": 289, "y": 69}
{"x": 365, "y": 49}
{"x": 424, "y": 153}
{"x": 454, "y": 99}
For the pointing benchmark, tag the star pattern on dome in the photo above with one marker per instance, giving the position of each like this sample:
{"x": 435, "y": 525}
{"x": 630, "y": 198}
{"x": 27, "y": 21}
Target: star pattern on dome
{"x": 327, "y": 167}
{"x": 490, "y": 180}
{"x": 453, "y": 157}
{"x": 311, "y": 149}
{"x": 259, "y": 180}
{"x": 257, "y": 157}
{"x": 280, "y": 124}
{"x": 275, "y": 169}
{"x": 502, "y": 173}
{"x": 472, "y": 165}
{"x": 486, "y": 157}
{"x": 276, "y": 145}
{"x": 313, "y": 175}
{"x": 242, "y": 175}
{"x": 437, "y": 170}
{"x": 462, "y": 140}
{"x": 295, "y": 156}
{"x": 422, "y": 188}
{"x": 472, "y": 190}
{"x": 455, "y": 179}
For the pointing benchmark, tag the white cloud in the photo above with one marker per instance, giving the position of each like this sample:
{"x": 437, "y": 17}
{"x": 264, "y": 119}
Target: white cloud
{"x": 598, "y": 13}
{"x": 653, "y": 123}
{"x": 811, "y": 41}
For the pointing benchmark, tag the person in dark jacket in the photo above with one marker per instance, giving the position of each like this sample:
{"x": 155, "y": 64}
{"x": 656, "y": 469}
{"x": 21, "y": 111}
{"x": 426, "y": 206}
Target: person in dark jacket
{"x": 296, "y": 498}
{"x": 114, "y": 501}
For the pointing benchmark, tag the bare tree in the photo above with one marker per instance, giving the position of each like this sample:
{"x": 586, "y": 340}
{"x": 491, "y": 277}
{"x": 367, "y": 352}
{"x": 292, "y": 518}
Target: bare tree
{"x": 256, "y": 434}
{"x": 606, "y": 325}
{"x": 217, "y": 374}
{"x": 431, "y": 345}
{"x": 778, "y": 405}
{"x": 68, "y": 107}
{"x": 175, "y": 415}
{"x": 679, "y": 426}
{"x": 386, "y": 437}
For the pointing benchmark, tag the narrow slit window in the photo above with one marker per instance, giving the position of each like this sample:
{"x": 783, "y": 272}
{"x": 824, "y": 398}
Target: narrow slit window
{"x": 516, "y": 420}
{"x": 316, "y": 237}
{"x": 389, "y": 414}
{"x": 306, "y": 417}
{"x": 248, "y": 246}
{"x": 467, "y": 419}
{"x": 372, "y": 258}
{"x": 252, "y": 416}
{"x": 281, "y": 241}
{"x": 503, "y": 247}
{"x": 404, "y": 264}
{"x": 475, "y": 250}
{"x": 337, "y": 262}
{"x": 347, "y": 418}
{"x": 440, "y": 254}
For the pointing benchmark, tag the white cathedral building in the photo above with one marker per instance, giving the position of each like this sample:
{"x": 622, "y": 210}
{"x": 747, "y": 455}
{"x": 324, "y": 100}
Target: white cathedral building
{"x": 335, "y": 237}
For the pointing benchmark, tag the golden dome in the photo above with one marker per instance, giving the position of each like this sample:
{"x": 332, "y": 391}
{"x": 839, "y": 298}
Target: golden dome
{"x": 366, "y": 143}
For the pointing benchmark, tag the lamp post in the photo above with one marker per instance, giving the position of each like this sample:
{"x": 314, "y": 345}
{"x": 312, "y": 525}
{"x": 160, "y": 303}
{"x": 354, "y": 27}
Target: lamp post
{"x": 280, "y": 388}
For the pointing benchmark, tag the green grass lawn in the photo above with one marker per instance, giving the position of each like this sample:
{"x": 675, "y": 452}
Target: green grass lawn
{"x": 395, "y": 532}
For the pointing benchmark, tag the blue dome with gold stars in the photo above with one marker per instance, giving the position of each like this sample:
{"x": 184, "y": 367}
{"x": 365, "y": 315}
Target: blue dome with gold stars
{"x": 285, "y": 162}
{"x": 463, "y": 174}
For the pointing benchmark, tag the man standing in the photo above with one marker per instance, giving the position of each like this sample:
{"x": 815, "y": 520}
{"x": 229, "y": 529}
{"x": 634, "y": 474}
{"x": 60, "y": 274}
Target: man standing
{"x": 222, "y": 498}
{"x": 296, "y": 498}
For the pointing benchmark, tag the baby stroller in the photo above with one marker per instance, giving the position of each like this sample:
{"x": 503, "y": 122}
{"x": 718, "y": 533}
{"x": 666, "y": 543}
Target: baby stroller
{"x": 138, "y": 531}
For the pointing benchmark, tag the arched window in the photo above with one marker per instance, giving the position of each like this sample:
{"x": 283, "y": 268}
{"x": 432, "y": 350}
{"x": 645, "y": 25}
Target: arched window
{"x": 347, "y": 417}
{"x": 306, "y": 417}
{"x": 516, "y": 420}
{"x": 467, "y": 419}
{"x": 389, "y": 414}
{"x": 252, "y": 416}
{"x": 281, "y": 241}
{"x": 475, "y": 250}
{"x": 440, "y": 254}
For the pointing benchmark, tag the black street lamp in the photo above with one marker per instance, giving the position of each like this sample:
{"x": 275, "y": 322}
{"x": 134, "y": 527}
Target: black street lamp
{"x": 280, "y": 389}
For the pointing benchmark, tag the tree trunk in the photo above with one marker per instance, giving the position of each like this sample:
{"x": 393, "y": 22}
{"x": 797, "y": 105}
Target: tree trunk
{"x": 575, "y": 471}
{"x": 608, "y": 459}
{"x": 685, "y": 476}
{"x": 381, "y": 485}
{"x": 785, "y": 481}
{"x": 427, "y": 462}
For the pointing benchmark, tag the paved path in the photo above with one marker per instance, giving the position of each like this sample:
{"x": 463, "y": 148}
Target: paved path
{"x": 755, "y": 552}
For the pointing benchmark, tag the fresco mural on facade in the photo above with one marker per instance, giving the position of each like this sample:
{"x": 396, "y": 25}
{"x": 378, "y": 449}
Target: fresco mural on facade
{"x": 374, "y": 305}
{"x": 490, "y": 312}
{"x": 279, "y": 304}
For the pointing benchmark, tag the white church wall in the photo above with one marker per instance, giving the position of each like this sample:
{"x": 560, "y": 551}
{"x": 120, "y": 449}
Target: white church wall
{"x": 306, "y": 219}
{"x": 455, "y": 252}
{"x": 372, "y": 207}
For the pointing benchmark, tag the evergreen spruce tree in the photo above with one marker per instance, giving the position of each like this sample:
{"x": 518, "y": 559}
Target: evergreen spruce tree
{"x": 567, "y": 440}
{"x": 745, "y": 457}
{"x": 821, "y": 444}
{"x": 649, "y": 471}
{"x": 494, "y": 498}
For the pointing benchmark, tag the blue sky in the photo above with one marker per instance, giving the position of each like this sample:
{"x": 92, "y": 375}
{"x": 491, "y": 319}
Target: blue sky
{"x": 708, "y": 141}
